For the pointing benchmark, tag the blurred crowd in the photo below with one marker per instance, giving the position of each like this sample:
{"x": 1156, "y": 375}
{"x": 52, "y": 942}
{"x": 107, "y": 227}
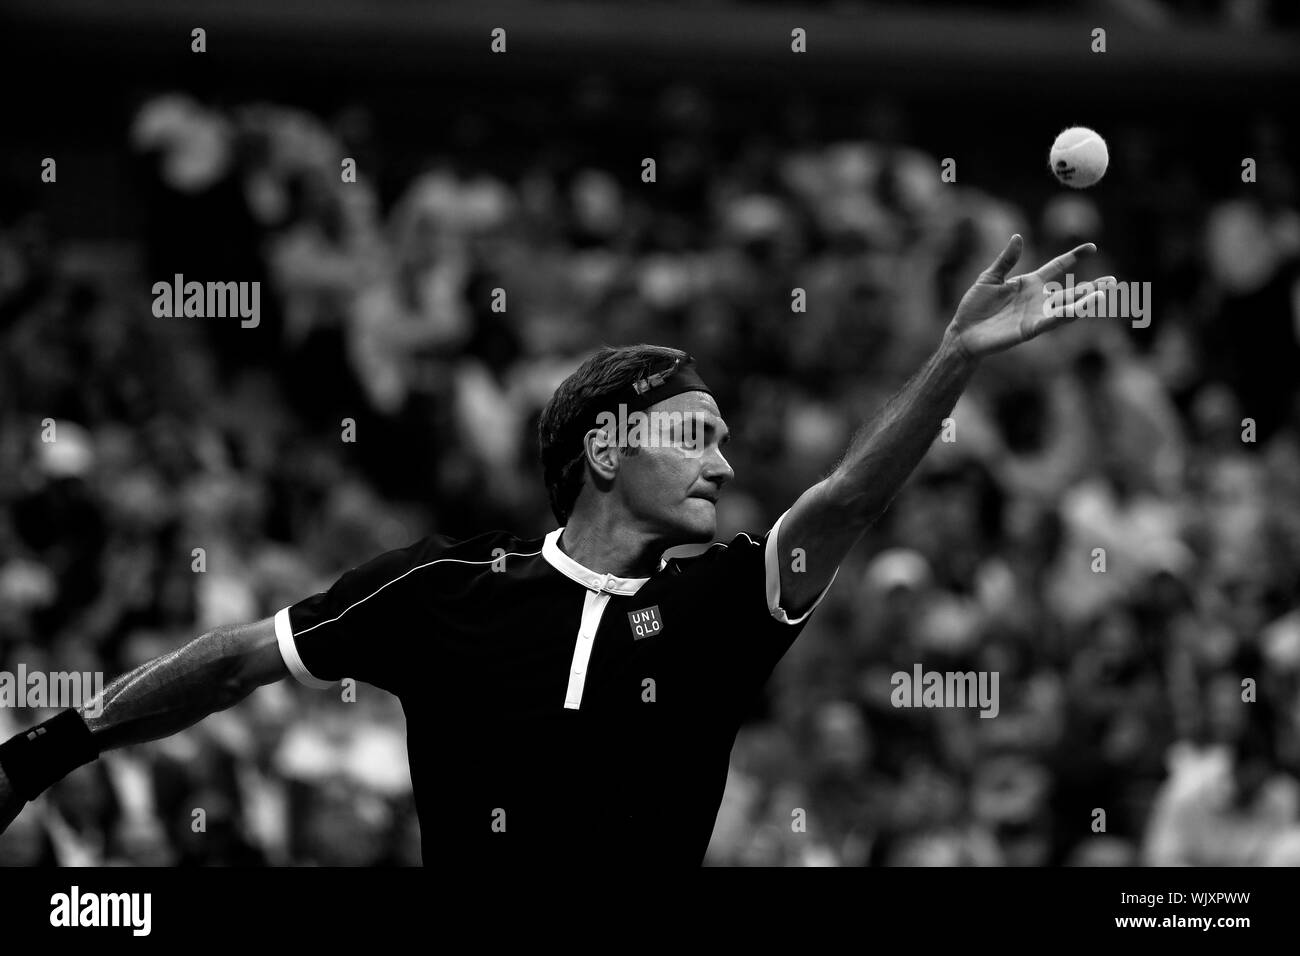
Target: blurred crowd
{"x": 203, "y": 473}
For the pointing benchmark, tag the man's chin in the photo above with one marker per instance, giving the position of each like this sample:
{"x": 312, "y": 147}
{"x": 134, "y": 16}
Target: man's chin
{"x": 700, "y": 526}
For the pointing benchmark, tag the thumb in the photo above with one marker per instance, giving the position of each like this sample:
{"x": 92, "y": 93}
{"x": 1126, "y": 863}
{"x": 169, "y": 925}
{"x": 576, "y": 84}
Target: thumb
{"x": 1005, "y": 261}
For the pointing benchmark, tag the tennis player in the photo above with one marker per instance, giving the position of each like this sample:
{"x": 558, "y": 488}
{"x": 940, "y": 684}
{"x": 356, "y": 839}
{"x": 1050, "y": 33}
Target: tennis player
{"x": 572, "y": 700}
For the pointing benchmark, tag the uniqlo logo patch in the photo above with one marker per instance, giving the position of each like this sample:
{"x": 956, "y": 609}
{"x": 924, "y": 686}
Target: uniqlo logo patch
{"x": 646, "y": 622}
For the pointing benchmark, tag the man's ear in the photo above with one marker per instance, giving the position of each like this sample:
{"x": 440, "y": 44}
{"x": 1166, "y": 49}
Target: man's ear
{"x": 602, "y": 453}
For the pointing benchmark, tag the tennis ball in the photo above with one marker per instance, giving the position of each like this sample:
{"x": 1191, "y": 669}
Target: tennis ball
{"x": 1079, "y": 157}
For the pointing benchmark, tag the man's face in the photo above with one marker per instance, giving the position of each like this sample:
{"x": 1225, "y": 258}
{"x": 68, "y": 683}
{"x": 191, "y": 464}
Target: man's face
{"x": 670, "y": 482}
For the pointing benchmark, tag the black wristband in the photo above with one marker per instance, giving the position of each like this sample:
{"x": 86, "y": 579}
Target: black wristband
{"x": 37, "y": 758}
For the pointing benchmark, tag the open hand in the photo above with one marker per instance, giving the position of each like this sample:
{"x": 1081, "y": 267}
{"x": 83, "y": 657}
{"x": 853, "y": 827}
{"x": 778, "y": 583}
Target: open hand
{"x": 997, "y": 313}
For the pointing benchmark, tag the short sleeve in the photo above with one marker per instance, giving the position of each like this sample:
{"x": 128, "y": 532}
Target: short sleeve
{"x": 754, "y": 631}
{"x": 772, "y": 579}
{"x": 359, "y": 627}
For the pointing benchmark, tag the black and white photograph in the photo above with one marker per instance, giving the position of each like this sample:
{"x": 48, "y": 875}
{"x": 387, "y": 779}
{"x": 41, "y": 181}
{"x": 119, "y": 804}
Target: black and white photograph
{"x": 570, "y": 437}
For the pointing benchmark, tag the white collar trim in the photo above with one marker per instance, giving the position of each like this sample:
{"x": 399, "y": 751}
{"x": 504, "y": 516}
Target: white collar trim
{"x": 585, "y": 576}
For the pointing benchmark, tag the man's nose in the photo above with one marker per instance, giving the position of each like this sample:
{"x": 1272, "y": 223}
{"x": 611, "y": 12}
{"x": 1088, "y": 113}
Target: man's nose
{"x": 717, "y": 469}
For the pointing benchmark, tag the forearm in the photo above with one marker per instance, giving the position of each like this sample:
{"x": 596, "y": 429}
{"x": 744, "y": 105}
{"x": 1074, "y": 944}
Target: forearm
{"x": 888, "y": 448}
{"x": 832, "y": 515}
{"x": 156, "y": 699}
{"x": 995, "y": 314}
{"x": 171, "y": 692}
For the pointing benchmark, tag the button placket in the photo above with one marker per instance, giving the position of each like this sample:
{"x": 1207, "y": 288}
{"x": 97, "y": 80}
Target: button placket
{"x": 593, "y": 607}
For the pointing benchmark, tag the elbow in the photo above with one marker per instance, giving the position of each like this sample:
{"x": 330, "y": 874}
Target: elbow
{"x": 854, "y": 504}
{"x": 230, "y": 690}
{"x": 237, "y": 677}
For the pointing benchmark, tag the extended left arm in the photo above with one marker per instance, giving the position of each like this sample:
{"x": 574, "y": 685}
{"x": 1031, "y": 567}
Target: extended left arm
{"x": 995, "y": 314}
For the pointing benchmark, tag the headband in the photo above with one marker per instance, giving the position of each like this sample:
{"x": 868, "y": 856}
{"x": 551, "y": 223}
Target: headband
{"x": 644, "y": 392}
{"x": 680, "y": 377}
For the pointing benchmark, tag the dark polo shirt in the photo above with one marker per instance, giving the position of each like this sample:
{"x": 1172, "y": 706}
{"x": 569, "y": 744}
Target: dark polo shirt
{"x": 555, "y": 716}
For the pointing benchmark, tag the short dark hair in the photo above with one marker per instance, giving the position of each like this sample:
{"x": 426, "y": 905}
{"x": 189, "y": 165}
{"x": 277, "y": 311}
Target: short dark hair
{"x": 609, "y": 371}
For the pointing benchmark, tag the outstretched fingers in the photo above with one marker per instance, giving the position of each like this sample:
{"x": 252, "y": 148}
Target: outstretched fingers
{"x": 1050, "y": 271}
{"x": 1084, "y": 299}
{"x": 1005, "y": 261}
{"x": 1068, "y": 300}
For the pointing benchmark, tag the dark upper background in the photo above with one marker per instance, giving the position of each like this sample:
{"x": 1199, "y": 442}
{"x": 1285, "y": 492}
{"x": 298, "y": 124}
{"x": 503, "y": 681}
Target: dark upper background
{"x": 1119, "y": 691}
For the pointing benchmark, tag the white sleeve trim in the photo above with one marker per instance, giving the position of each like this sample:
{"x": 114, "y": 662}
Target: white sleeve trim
{"x": 772, "y": 563}
{"x": 289, "y": 651}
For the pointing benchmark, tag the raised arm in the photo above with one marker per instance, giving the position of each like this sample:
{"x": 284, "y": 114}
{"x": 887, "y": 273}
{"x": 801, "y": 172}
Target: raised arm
{"x": 994, "y": 314}
{"x": 155, "y": 700}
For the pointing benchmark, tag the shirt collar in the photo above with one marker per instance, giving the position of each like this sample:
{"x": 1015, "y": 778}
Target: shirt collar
{"x": 585, "y": 576}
